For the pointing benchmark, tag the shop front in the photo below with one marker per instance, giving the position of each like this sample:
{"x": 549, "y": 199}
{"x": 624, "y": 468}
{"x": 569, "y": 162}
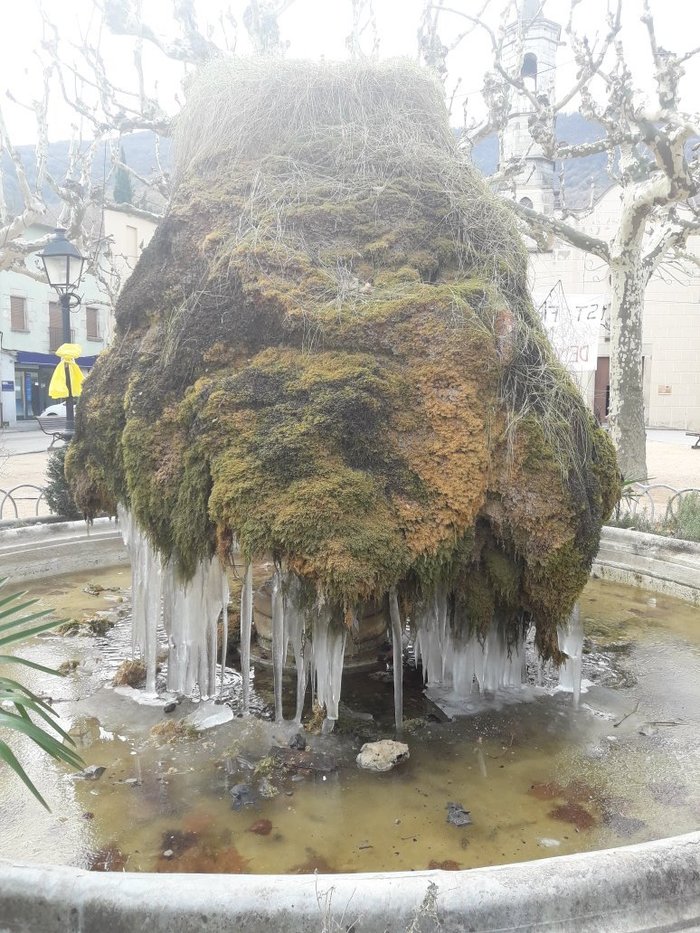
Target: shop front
{"x": 33, "y": 373}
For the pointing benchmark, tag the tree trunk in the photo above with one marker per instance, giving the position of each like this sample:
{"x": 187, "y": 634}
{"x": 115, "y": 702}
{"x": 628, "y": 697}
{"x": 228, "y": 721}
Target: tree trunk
{"x": 626, "y": 419}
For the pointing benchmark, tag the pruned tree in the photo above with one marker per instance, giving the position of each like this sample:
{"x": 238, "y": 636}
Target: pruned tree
{"x": 647, "y": 144}
{"x": 105, "y": 108}
{"x": 646, "y": 141}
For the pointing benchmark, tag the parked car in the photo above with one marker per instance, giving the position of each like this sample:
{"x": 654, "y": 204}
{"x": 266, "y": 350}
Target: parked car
{"x": 57, "y": 410}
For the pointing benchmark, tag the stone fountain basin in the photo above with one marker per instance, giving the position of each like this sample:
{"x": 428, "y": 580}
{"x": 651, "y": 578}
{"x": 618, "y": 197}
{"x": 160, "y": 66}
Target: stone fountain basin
{"x": 649, "y": 886}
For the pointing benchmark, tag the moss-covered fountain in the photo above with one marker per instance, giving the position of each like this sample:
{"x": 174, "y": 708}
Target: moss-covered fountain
{"x": 328, "y": 355}
{"x": 327, "y": 370}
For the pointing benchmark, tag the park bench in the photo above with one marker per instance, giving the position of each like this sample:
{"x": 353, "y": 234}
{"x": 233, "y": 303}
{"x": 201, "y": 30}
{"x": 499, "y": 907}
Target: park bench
{"x": 54, "y": 426}
{"x": 696, "y": 445}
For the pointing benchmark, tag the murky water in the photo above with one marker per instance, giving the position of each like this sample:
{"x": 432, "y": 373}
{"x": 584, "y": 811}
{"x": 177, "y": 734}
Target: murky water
{"x": 538, "y": 777}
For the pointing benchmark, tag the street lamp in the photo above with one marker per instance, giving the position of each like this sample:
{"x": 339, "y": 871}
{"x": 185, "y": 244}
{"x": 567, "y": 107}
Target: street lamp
{"x": 63, "y": 265}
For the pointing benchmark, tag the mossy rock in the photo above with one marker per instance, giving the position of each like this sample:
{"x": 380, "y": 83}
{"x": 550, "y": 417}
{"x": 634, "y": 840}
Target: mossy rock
{"x": 328, "y": 353}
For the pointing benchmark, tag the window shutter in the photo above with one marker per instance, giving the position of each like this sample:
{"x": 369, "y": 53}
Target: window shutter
{"x": 18, "y": 312}
{"x": 92, "y": 323}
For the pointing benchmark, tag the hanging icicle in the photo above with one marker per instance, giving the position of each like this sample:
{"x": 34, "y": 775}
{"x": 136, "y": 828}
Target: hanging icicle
{"x": 464, "y": 662}
{"x": 246, "y": 631}
{"x": 328, "y": 653}
{"x": 296, "y": 635}
{"x": 397, "y": 641}
{"x": 224, "y": 635}
{"x": 146, "y": 588}
{"x": 279, "y": 640}
{"x": 571, "y": 643}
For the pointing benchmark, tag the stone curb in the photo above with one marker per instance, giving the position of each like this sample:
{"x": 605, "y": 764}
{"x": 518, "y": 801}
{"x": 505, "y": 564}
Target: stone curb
{"x": 654, "y": 886}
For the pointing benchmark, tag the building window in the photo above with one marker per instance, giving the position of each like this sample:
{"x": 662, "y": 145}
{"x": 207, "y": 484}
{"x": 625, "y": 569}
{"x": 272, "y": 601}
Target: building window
{"x": 18, "y": 313}
{"x": 528, "y": 72}
{"x": 56, "y": 327}
{"x": 526, "y": 202}
{"x": 132, "y": 241}
{"x": 92, "y": 324}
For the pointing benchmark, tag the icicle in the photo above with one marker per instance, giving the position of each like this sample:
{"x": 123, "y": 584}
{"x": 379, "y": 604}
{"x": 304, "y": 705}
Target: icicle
{"x": 328, "y": 653}
{"x": 294, "y": 619}
{"x": 246, "y": 629}
{"x": 398, "y": 657}
{"x": 191, "y": 613}
{"x": 224, "y": 635}
{"x": 279, "y": 640}
{"x": 571, "y": 643}
{"x": 146, "y": 587}
{"x": 460, "y": 660}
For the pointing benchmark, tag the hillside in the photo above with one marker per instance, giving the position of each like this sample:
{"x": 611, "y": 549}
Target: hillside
{"x": 140, "y": 153}
{"x": 573, "y": 129}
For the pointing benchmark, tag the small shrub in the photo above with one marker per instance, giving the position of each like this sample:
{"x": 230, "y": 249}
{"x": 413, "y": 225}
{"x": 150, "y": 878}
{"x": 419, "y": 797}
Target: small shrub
{"x": 58, "y": 495}
{"x": 685, "y": 521}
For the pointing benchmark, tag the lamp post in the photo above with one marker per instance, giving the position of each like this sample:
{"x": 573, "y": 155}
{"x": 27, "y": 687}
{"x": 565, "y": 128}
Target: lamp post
{"x": 63, "y": 265}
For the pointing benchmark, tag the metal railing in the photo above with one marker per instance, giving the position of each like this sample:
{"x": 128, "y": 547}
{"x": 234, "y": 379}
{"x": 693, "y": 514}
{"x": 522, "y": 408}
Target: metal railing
{"x": 647, "y": 500}
{"x": 16, "y": 502}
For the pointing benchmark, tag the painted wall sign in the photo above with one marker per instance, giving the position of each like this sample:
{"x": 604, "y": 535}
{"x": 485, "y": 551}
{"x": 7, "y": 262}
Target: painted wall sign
{"x": 8, "y": 385}
{"x": 573, "y": 323}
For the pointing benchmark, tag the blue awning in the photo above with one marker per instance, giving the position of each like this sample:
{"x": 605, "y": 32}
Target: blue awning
{"x": 29, "y": 358}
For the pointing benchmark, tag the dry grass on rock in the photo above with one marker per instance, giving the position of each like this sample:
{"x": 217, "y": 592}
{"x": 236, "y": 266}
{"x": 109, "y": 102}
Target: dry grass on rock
{"x": 328, "y": 352}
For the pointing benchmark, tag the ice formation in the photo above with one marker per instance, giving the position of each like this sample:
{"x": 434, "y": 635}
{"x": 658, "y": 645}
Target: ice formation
{"x": 571, "y": 643}
{"x": 190, "y": 612}
{"x": 466, "y": 663}
{"x": 317, "y": 642}
{"x": 449, "y": 653}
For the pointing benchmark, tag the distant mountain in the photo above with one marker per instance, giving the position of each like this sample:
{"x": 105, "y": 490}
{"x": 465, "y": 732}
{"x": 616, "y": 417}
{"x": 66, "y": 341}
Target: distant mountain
{"x": 140, "y": 153}
{"x": 579, "y": 174}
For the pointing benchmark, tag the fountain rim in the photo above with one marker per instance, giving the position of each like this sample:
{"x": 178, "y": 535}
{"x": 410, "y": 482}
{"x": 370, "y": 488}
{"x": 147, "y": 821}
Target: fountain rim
{"x": 658, "y": 882}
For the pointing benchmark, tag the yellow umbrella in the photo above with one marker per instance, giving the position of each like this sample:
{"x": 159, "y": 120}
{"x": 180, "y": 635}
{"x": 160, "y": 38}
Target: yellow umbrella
{"x": 67, "y": 369}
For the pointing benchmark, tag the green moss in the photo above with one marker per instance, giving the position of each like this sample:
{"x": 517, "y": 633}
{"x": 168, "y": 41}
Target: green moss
{"x": 335, "y": 361}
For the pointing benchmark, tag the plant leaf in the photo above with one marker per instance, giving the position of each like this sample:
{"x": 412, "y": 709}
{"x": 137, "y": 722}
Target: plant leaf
{"x": 9, "y": 758}
{"x": 13, "y": 659}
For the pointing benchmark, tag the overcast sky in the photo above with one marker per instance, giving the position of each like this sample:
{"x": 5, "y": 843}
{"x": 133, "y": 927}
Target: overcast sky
{"x": 317, "y": 28}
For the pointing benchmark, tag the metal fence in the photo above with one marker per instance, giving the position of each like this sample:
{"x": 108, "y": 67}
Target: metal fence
{"x": 654, "y": 502}
{"x": 23, "y": 501}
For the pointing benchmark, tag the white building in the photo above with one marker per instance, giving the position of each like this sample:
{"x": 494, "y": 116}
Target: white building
{"x": 671, "y": 336}
{"x": 31, "y": 326}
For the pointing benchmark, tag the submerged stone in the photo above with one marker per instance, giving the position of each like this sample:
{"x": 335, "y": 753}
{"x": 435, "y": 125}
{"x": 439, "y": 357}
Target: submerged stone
{"x": 457, "y": 815}
{"x": 382, "y": 755}
{"x": 91, "y": 773}
{"x": 242, "y": 795}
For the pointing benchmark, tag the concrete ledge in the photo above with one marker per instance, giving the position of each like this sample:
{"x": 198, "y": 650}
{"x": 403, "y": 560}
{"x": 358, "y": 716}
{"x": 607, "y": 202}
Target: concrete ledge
{"x": 650, "y": 887}
{"x": 32, "y": 552}
{"x": 665, "y": 565}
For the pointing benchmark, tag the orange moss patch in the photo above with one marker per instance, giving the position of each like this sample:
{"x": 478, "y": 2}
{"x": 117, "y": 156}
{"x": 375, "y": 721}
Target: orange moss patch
{"x": 334, "y": 360}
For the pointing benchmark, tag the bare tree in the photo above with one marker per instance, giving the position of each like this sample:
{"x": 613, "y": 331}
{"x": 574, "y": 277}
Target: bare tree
{"x": 647, "y": 142}
{"x": 647, "y": 145}
{"x": 79, "y": 76}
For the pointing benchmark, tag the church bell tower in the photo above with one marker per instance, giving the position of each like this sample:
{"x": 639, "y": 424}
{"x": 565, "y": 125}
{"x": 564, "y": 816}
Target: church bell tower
{"x": 530, "y": 51}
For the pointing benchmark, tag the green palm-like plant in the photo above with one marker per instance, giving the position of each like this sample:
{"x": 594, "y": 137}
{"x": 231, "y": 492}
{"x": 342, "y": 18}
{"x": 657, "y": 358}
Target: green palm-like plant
{"x": 17, "y": 702}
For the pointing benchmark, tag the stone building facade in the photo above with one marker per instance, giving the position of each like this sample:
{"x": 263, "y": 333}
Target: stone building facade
{"x": 671, "y": 336}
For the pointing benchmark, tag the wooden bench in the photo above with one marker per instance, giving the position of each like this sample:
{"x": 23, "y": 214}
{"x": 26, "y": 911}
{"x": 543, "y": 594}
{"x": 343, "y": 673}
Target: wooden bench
{"x": 54, "y": 426}
{"x": 696, "y": 445}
